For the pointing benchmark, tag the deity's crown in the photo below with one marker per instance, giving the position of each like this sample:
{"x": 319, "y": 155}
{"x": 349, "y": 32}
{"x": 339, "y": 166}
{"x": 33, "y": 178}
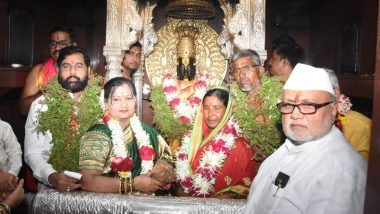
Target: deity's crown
{"x": 186, "y": 30}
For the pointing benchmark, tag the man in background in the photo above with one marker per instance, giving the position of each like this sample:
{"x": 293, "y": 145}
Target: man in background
{"x": 39, "y": 76}
{"x": 286, "y": 53}
{"x": 355, "y": 126}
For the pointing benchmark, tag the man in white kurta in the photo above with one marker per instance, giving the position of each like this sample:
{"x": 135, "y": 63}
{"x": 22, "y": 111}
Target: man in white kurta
{"x": 325, "y": 174}
{"x": 73, "y": 64}
{"x": 10, "y": 150}
{"x": 10, "y": 158}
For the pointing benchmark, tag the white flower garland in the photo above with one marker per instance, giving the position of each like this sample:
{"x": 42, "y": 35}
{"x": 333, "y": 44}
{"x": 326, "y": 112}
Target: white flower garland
{"x": 142, "y": 138}
{"x": 187, "y": 108}
{"x": 203, "y": 180}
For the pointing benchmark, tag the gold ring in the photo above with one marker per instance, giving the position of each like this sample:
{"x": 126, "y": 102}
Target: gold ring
{"x": 67, "y": 189}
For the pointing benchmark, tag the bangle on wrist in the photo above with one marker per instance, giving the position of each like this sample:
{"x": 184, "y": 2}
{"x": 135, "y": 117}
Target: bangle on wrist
{"x": 4, "y": 208}
{"x": 122, "y": 185}
{"x": 131, "y": 184}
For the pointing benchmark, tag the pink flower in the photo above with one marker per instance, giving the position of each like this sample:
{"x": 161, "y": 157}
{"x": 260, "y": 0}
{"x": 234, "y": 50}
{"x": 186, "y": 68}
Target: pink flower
{"x": 121, "y": 164}
{"x": 182, "y": 156}
{"x": 168, "y": 76}
{"x": 174, "y": 102}
{"x": 206, "y": 172}
{"x": 194, "y": 101}
{"x": 170, "y": 89}
{"x": 230, "y": 130}
{"x": 201, "y": 84}
{"x": 147, "y": 153}
{"x": 185, "y": 119}
{"x": 217, "y": 145}
{"x": 187, "y": 182}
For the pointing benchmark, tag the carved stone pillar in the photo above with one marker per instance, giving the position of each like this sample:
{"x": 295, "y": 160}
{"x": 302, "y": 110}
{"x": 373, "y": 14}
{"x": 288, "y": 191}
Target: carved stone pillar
{"x": 112, "y": 50}
{"x": 138, "y": 80}
{"x": 123, "y": 27}
{"x": 248, "y": 26}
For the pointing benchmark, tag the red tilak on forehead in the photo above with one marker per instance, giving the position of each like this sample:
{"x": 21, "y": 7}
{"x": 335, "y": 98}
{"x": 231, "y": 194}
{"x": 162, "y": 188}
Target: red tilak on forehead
{"x": 297, "y": 97}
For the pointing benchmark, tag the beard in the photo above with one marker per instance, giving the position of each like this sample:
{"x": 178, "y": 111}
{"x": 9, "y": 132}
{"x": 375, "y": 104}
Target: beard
{"x": 73, "y": 86}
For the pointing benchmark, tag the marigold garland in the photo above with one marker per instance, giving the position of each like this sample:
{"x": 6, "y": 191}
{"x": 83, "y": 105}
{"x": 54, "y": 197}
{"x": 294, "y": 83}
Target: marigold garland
{"x": 265, "y": 137}
{"x": 60, "y": 116}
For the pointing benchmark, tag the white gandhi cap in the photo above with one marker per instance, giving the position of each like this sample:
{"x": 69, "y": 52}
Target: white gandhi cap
{"x": 306, "y": 77}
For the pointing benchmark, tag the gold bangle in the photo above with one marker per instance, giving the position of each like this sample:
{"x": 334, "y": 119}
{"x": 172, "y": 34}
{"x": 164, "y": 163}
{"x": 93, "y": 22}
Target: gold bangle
{"x": 126, "y": 185}
{"x": 131, "y": 184}
{"x": 122, "y": 186}
{"x": 4, "y": 208}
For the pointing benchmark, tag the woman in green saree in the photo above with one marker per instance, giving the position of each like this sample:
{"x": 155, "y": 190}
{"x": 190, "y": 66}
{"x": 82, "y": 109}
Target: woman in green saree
{"x": 123, "y": 154}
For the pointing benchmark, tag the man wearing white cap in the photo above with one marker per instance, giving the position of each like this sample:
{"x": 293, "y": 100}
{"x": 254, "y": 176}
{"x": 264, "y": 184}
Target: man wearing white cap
{"x": 315, "y": 170}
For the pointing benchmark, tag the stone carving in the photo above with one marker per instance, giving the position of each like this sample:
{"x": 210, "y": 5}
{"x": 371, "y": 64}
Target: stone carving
{"x": 248, "y": 26}
{"x": 259, "y": 25}
{"x": 224, "y": 38}
{"x": 150, "y": 37}
{"x": 132, "y": 24}
{"x": 122, "y": 29}
{"x": 238, "y": 27}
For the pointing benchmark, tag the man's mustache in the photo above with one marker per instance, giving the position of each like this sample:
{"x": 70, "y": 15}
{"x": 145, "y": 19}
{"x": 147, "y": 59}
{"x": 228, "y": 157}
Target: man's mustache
{"x": 73, "y": 76}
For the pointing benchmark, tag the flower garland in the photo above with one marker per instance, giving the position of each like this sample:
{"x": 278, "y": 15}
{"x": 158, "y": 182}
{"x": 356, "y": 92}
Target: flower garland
{"x": 344, "y": 106}
{"x": 265, "y": 137}
{"x": 67, "y": 119}
{"x": 202, "y": 181}
{"x": 185, "y": 110}
{"x": 122, "y": 163}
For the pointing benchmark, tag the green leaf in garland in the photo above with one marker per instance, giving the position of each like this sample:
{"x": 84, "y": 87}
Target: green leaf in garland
{"x": 164, "y": 117}
{"x": 264, "y": 137}
{"x": 57, "y": 119}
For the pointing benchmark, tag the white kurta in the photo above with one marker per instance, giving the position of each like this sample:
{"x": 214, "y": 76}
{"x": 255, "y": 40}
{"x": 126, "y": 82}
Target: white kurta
{"x": 10, "y": 150}
{"x": 37, "y": 145}
{"x": 326, "y": 176}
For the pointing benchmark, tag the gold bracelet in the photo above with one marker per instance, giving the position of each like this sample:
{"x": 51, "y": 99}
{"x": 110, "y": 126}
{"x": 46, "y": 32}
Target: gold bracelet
{"x": 4, "y": 209}
{"x": 126, "y": 185}
{"x": 122, "y": 186}
{"x": 131, "y": 184}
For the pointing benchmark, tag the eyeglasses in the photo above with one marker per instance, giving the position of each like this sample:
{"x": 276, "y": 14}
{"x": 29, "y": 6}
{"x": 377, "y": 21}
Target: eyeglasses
{"x": 244, "y": 68}
{"x": 304, "y": 108}
{"x": 68, "y": 67}
{"x": 62, "y": 44}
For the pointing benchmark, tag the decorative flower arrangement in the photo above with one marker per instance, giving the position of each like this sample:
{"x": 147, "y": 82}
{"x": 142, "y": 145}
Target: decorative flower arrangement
{"x": 344, "y": 105}
{"x": 185, "y": 110}
{"x": 122, "y": 163}
{"x": 202, "y": 181}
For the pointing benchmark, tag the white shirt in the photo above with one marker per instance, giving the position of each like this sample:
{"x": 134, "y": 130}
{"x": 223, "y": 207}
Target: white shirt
{"x": 10, "y": 150}
{"x": 37, "y": 145}
{"x": 325, "y": 176}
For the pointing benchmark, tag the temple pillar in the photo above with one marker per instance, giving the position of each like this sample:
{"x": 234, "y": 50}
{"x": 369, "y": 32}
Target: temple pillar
{"x": 247, "y": 26}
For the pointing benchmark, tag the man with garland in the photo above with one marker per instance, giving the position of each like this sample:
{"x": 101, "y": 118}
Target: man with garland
{"x": 315, "y": 170}
{"x": 59, "y": 118}
{"x": 39, "y": 76}
{"x": 259, "y": 121}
